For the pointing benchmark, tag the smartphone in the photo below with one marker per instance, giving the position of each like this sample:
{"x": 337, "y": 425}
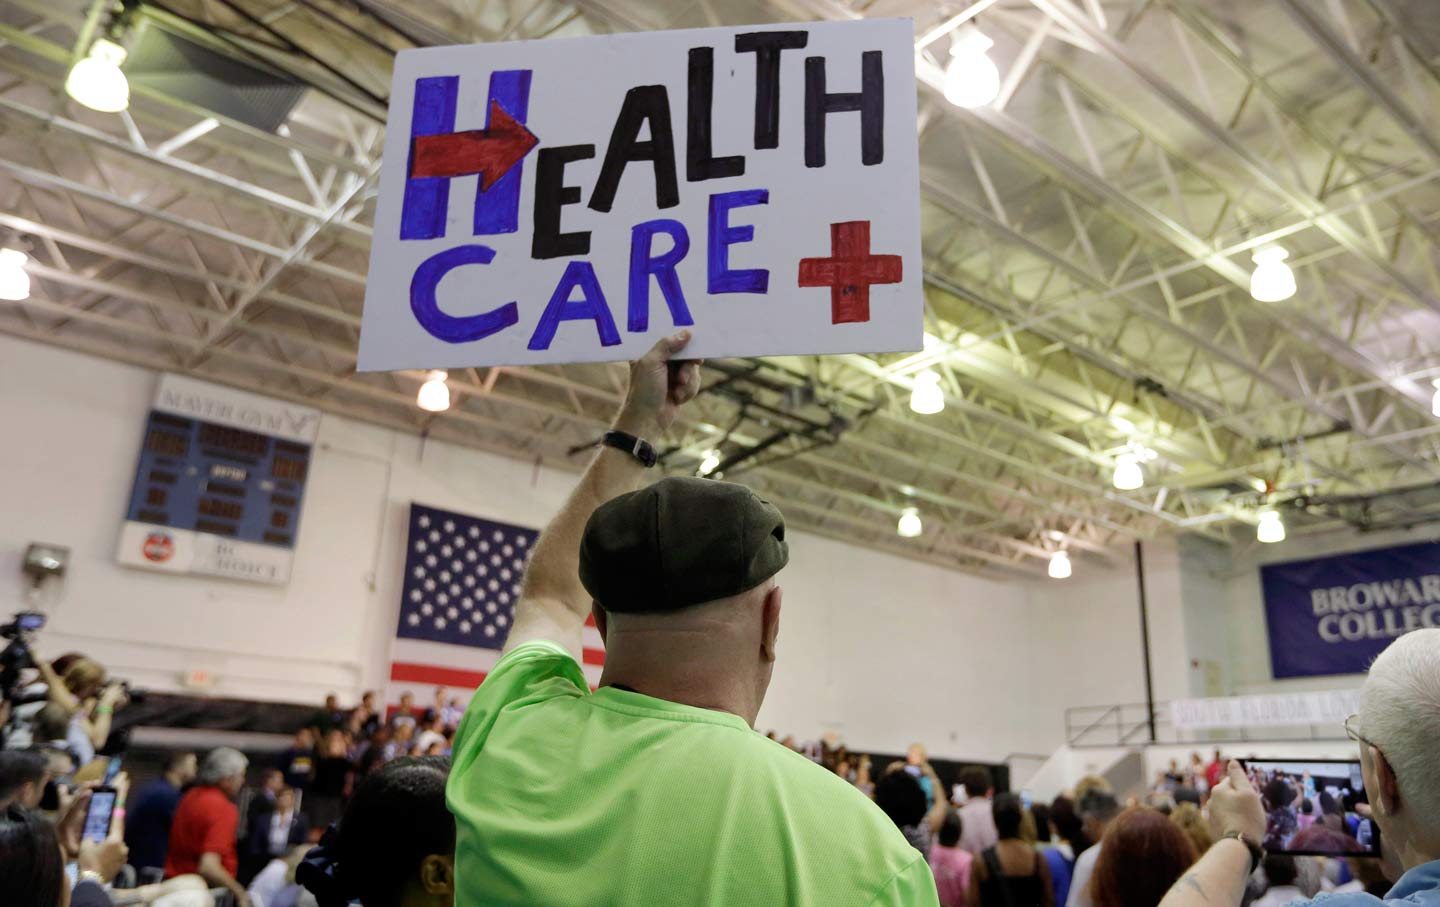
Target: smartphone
{"x": 1310, "y": 807}
{"x": 99, "y": 814}
{"x": 1026, "y": 798}
{"x": 112, "y": 769}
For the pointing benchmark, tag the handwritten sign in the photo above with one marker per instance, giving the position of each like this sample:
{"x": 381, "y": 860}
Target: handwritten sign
{"x": 572, "y": 200}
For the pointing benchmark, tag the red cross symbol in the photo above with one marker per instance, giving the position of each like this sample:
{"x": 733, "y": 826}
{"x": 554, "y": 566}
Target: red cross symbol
{"x": 849, "y": 271}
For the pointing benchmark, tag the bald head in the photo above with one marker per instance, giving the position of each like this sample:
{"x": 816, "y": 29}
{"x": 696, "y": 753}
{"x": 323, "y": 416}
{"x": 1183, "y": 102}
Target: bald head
{"x": 717, "y": 655}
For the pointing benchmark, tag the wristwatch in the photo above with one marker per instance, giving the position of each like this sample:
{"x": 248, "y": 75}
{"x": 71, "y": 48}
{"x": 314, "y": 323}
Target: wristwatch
{"x": 638, "y": 448}
{"x": 1257, "y": 853}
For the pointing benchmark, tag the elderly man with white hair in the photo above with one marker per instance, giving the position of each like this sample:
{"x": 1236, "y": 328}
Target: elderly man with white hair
{"x": 1398, "y": 730}
{"x": 203, "y": 834}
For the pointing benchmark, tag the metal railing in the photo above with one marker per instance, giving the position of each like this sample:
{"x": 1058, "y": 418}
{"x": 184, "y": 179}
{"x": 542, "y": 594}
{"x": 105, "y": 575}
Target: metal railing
{"x": 1128, "y": 724}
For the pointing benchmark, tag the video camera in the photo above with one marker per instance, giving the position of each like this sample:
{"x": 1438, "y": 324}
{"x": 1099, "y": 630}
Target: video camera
{"x": 16, "y": 657}
{"x": 135, "y": 695}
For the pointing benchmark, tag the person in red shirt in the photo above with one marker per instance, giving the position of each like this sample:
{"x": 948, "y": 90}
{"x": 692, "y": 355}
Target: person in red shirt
{"x": 203, "y": 835}
{"x": 1215, "y": 771}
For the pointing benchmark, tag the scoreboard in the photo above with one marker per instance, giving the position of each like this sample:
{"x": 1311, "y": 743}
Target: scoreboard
{"x": 220, "y": 483}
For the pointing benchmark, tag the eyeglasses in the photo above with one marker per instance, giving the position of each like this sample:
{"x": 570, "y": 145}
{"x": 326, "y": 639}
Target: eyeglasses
{"x": 1357, "y": 736}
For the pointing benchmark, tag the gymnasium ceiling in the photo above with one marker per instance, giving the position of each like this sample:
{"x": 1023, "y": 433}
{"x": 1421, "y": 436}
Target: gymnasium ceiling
{"x": 1087, "y": 244}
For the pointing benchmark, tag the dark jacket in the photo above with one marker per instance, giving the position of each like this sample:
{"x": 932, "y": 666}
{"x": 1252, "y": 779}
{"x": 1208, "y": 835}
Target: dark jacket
{"x": 255, "y": 846}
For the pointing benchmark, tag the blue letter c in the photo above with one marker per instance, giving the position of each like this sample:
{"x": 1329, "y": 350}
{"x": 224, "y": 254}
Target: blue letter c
{"x": 446, "y": 327}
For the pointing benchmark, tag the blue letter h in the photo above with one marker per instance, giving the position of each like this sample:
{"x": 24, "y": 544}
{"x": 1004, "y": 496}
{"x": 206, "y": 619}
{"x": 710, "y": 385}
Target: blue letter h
{"x": 427, "y": 199}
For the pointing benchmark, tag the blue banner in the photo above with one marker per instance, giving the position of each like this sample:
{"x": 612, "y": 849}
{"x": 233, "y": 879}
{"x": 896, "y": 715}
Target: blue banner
{"x": 1333, "y": 615}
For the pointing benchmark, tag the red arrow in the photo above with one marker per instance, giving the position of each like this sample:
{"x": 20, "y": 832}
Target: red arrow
{"x": 490, "y": 152}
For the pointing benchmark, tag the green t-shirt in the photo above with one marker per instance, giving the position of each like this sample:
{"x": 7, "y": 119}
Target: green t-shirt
{"x": 567, "y": 798}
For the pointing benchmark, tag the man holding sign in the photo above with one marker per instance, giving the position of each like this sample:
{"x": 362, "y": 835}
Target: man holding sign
{"x": 655, "y": 789}
{"x": 573, "y": 200}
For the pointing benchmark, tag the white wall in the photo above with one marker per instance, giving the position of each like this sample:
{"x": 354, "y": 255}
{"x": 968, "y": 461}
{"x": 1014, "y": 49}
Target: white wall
{"x": 883, "y": 650}
{"x": 1094, "y": 620}
{"x": 888, "y": 652}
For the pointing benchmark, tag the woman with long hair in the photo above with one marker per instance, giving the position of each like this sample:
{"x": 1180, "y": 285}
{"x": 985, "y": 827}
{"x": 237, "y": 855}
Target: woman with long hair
{"x": 333, "y": 780}
{"x": 1144, "y": 854}
{"x": 1059, "y": 857}
{"x": 1012, "y": 873}
{"x": 1069, "y": 826}
{"x": 32, "y": 868}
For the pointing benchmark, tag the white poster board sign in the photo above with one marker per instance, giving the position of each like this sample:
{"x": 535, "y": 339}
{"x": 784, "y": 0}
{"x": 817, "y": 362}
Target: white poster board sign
{"x": 573, "y": 200}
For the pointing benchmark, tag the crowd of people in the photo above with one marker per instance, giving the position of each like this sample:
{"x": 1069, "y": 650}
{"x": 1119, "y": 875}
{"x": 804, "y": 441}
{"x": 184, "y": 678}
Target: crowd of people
{"x": 655, "y": 790}
{"x": 985, "y": 849}
{"x": 196, "y": 831}
{"x": 338, "y": 747}
{"x": 1090, "y": 850}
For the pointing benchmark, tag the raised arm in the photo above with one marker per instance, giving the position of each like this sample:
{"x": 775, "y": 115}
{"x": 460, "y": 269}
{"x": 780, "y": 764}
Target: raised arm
{"x": 57, "y": 691}
{"x": 97, "y": 724}
{"x": 1218, "y": 879}
{"x": 553, "y": 604}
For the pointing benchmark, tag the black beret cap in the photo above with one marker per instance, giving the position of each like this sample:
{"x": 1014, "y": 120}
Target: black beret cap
{"x": 680, "y": 542}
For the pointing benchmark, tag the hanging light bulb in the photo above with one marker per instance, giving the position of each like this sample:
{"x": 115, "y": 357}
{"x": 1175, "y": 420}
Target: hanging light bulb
{"x": 1272, "y": 280}
{"x": 97, "y": 81}
{"x": 434, "y": 394}
{"x": 1059, "y": 565}
{"x": 14, "y": 282}
{"x": 926, "y": 398}
{"x": 971, "y": 79}
{"x": 909, "y": 526}
{"x": 1435, "y": 401}
{"x": 710, "y": 461}
{"x": 1271, "y": 528}
{"x": 1128, "y": 475}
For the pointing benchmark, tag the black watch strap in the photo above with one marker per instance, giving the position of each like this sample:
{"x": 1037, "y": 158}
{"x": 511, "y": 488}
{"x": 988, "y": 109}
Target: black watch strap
{"x": 1257, "y": 853}
{"x": 638, "y": 448}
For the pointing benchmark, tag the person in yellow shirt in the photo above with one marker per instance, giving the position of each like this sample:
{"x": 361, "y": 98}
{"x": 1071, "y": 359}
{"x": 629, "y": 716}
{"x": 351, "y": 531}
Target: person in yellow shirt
{"x": 655, "y": 789}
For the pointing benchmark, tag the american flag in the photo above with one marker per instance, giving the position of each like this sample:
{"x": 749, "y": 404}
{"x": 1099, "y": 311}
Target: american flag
{"x": 462, "y": 580}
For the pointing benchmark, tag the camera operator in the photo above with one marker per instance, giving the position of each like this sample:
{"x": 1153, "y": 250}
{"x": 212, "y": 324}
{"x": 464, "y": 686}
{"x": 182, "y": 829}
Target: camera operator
{"x": 89, "y": 699}
{"x": 96, "y": 715}
{"x": 81, "y": 693}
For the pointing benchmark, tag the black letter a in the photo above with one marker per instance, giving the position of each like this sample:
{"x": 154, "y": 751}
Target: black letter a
{"x": 644, "y": 102}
